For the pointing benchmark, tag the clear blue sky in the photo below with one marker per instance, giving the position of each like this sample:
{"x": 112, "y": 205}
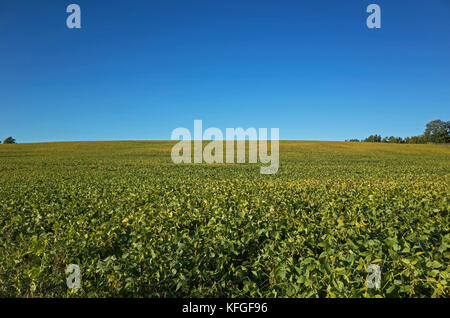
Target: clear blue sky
{"x": 139, "y": 69}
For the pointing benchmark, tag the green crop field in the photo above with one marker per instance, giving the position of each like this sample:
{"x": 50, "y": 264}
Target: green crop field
{"x": 139, "y": 225}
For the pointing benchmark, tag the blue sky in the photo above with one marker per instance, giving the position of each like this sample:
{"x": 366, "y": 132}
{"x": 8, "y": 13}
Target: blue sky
{"x": 136, "y": 70}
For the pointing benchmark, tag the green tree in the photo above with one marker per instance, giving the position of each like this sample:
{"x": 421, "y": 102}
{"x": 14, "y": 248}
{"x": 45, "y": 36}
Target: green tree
{"x": 377, "y": 138}
{"x": 437, "y": 131}
{"x": 9, "y": 140}
{"x": 373, "y": 138}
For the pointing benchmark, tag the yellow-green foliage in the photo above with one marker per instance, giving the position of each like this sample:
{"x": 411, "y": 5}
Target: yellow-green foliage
{"x": 139, "y": 225}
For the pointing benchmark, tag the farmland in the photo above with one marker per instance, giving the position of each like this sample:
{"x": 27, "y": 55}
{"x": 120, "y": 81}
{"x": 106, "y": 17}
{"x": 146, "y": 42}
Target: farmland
{"x": 140, "y": 226}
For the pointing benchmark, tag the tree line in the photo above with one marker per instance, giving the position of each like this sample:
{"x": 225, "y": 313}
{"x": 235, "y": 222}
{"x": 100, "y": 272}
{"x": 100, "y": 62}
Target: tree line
{"x": 436, "y": 131}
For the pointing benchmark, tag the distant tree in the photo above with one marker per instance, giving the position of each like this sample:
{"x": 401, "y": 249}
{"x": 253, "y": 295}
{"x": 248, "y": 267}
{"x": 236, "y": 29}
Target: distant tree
{"x": 373, "y": 138}
{"x": 415, "y": 140}
{"x": 9, "y": 140}
{"x": 395, "y": 140}
{"x": 437, "y": 131}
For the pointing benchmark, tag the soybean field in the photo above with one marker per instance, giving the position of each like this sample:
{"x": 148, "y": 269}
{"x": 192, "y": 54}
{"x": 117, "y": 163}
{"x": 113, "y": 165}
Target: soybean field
{"x": 138, "y": 225}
